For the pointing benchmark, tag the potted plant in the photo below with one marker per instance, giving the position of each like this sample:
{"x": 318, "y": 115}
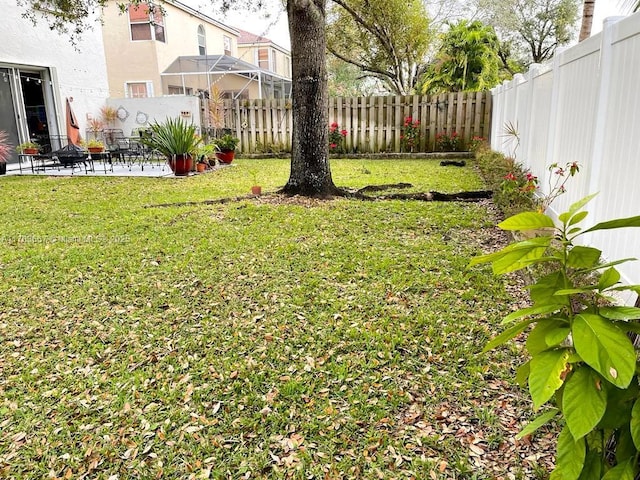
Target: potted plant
{"x": 5, "y": 148}
{"x": 206, "y": 154}
{"x": 28, "y": 148}
{"x": 95, "y": 146}
{"x": 177, "y": 141}
{"x": 108, "y": 115}
{"x": 95, "y": 126}
{"x": 255, "y": 188}
{"x": 226, "y": 147}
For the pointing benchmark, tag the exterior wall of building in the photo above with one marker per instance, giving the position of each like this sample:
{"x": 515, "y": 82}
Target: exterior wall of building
{"x": 145, "y": 60}
{"x": 135, "y": 113}
{"x": 281, "y": 60}
{"x": 65, "y": 71}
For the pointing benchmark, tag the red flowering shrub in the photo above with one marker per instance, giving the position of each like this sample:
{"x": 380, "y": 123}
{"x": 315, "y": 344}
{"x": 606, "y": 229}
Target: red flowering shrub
{"x": 336, "y": 138}
{"x": 448, "y": 143}
{"x": 410, "y": 136}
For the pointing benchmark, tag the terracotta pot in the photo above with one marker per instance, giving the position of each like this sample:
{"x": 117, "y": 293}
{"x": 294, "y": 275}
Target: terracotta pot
{"x": 30, "y": 151}
{"x": 201, "y": 167}
{"x": 256, "y": 190}
{"x": 226, "y": 156}
{"x": 181, "y": 165}
{"x": 95, "y": 149}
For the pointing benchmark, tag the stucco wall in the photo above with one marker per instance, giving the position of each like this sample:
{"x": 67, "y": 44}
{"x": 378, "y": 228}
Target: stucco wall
{"x": 79, "y": 73}
{"x": 144, "y": 61}
{"x": 154, "y": 109}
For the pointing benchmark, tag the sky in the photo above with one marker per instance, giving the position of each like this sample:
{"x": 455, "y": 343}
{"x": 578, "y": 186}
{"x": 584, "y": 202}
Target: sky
{"x": 275, "y": 26}
{"x": 604, "y": 9}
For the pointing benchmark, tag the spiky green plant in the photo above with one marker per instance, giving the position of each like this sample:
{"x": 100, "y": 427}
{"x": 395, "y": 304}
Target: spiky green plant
{"x": 173, "y": 137}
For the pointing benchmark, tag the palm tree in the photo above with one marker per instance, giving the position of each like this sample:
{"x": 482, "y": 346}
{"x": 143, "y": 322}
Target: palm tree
{"x": 587, "y": 19}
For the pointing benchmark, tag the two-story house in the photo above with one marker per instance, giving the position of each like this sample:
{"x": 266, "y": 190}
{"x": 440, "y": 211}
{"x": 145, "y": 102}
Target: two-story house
{"x": 40, "y": 72}
{"x": 172, "y": 49}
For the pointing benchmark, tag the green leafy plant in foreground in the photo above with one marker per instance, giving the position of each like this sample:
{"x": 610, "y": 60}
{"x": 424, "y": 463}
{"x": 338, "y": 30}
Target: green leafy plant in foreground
{"x": 582, "y": 360}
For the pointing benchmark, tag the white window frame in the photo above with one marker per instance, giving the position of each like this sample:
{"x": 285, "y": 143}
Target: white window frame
{"x": 270, "y": 58}
{"x": 226, "y": 42}
{"x": 151, "y": 23}
{"x": 202, "y": 40}
{"x": 148, "y": 85}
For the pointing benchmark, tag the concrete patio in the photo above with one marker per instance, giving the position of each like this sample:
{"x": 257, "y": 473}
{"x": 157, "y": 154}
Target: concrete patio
{"x": 101, "y": 169}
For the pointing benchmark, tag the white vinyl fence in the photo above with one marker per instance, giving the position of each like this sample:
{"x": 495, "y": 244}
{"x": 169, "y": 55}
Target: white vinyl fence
{"x": 584, "y": 106}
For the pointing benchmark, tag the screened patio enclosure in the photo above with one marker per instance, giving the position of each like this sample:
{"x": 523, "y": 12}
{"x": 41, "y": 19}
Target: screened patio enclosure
{"x": 235, "y": 78}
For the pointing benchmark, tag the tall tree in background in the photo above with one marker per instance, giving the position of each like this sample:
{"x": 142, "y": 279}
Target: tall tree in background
{"x": 587, "y": 19}
{"x": 386, "y": 39}
{"x": 468, "y": 60}
{"x": 346, "y": 80}
{"x": 536, "y": 27}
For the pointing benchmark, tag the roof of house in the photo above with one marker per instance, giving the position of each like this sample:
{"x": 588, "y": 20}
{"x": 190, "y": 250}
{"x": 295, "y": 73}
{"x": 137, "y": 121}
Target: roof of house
{"x": 251, "y": 39}
{"x": 248, "y": 37}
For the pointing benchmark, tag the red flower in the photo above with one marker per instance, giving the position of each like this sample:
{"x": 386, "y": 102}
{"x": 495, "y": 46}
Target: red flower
{"x": 332, "y": 145}
{"x": 510, "y": 176}
{"x": 343, "y": 133}
{"x": 334, "y": 125}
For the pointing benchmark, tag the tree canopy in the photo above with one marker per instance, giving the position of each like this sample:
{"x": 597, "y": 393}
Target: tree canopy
{"x": 387, "y": 39}
{"x": 468, "y": 60}
{"x": 534, "y": 28}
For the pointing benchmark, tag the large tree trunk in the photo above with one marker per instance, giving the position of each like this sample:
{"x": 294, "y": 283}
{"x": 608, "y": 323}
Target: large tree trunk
{"x": 587, "y": 19}
{"x": 310, "y": 172}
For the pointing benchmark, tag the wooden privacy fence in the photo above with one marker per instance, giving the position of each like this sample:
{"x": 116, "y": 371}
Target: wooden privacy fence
{"x": 373, "y": 124}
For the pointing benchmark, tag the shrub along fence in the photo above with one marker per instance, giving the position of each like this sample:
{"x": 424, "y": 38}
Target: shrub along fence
{"x": 583, "y": 107}
{"x": 372, "y": 124}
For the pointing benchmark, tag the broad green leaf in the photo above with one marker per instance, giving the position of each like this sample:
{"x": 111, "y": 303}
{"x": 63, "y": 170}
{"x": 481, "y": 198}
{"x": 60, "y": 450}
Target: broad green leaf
{"x": 584, "y": 401}
{"x": 622, "y": 471}
{"x": 605, "y": 348}
{"x": 527, "y": 221}
{"x": 546, "y": 334}
{"x": 522, "y": 374}
{"x": 578, "y": 217}
{"x": 547, "y": 369}
{"x": 633, "y": 288}
{"x": 570, "y": 456}
{"x": 574, "y": 207}
{"x": 521, "y": 255}
{"x": 537, "y": 422}
{"x": 628, "y": 326}
{"x": 564, "y": 217}
{"x": 507, "y": 335}
{"x": 635, "y": 424}
{"x": 574, "y": 291}
{"x": 592, "y": 467}
{"x": 609, "y": 278}
{"x": 619, "y": 405}
{"x": 625, "y": 448}
{"x": 523, "y": 312}
{"x": 521, "y": 249}
{"x": 557, "y": 335}
{"x": 610, "y": 264}
{"x": 542, "y": 291}
{"x": 583, "y": 257}
{"x": 573, "y": 231}
{"x": 620, "y": 313}
{"x": 618, "y": 223}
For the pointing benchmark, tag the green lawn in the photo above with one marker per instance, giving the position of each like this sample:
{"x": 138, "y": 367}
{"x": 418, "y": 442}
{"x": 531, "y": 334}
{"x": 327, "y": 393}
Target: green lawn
{"x": 261, "y": 338}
